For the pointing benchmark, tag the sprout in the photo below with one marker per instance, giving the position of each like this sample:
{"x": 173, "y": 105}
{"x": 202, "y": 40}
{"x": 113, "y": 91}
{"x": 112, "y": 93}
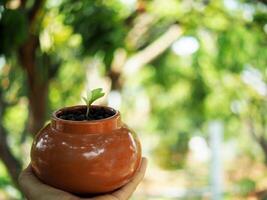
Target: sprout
{"x": 91, "y": 97}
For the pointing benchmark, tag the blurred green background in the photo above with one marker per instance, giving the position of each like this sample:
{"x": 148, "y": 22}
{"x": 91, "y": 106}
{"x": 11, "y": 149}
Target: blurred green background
{"x": 189, "y": 76}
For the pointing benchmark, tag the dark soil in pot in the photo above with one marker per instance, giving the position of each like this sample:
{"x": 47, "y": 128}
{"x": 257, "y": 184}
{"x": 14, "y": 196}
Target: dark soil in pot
{"x": 96, "y": 113}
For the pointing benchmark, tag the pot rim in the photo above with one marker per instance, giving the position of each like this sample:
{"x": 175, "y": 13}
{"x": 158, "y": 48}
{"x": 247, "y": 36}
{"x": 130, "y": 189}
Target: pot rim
{"x": 77, "y": 107}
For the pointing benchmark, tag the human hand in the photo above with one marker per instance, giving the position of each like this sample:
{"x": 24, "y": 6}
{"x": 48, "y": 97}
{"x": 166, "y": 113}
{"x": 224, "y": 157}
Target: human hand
{"x": 34, "y": 189}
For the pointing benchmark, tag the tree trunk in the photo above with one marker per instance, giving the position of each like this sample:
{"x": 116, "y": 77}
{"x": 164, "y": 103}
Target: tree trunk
{"x": 37, "y": 84}
{"x": 259, "y": 138}
{"x": 37, "y": 107}
{"x": 37, "y": 93}
{"x": 13, "y": 166}
{"x": 263, "y": 144}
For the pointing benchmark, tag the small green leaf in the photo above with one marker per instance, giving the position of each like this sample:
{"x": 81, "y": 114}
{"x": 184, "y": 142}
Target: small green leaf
{"x": 95, "y": 94}
{"x": 91, "y": 97}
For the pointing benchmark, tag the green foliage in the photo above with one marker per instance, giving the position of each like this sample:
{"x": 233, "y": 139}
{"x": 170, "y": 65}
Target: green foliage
{"x": 13, "y": 30}
{"x": 246, "y": 186}
{"x": 99, "y": 23}
{"x": 186, "y": 92}
{"x": 171, "y": 152}
{"x": 4, "y": 179}
{"x": 67, "y": 86}
{"x": 91, "y": 97}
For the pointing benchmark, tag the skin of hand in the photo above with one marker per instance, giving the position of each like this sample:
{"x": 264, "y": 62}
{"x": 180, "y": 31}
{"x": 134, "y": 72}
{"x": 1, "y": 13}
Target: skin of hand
{"x": 34, "y": 189}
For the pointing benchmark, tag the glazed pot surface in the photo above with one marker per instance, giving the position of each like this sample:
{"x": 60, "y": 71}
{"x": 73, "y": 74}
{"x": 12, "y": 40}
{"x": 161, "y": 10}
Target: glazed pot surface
{"x": 86, "y": 157}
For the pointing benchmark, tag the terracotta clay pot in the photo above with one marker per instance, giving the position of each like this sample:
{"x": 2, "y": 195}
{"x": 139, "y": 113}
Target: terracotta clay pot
{"x": 86, "y": 157}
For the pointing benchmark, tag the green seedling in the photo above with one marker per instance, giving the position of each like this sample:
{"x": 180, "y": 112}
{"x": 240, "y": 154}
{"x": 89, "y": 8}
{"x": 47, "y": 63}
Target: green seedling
{"x": 91, "y": 97}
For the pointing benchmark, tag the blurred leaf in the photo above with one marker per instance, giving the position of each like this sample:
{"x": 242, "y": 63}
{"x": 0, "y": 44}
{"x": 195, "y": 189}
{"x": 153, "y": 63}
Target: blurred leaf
{"x": 13, "y": 30}
{"x": 246, "y": 186}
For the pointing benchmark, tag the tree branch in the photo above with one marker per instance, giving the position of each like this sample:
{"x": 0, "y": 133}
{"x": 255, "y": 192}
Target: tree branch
{"x": 117, "y": 64}
{"x": 140, "y": 27}
{"x": 121, "y": 66}
{"x": 252, "y": 130}
{"x": 38, "y": 4}
{"x": 263, "y": 1}
{"x": 153, "y": 50}
{"x": 258, "y": 138}
{"x": 13, "y": 166}
{"x": 23, "y": 3}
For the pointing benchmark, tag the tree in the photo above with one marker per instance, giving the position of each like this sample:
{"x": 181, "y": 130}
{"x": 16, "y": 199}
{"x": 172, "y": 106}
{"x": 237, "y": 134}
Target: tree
{"x": 24, "y": 46}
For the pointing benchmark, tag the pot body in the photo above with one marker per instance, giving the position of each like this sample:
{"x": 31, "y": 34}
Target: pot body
{"x": 88, "y": 157}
